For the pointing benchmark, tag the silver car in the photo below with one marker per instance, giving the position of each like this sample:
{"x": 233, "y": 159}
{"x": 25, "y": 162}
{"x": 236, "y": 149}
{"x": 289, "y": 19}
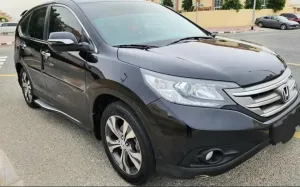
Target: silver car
{"x": 8, "y": 27}
{"x": 278, "y": 22}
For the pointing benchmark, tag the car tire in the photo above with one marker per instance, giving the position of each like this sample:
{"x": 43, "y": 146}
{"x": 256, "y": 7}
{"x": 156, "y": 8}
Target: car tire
{"x": 283, "y": 27}
{"x": 27, "y": 88}
{"x": 126, "y": 144}
{"x": 260, "y": 24}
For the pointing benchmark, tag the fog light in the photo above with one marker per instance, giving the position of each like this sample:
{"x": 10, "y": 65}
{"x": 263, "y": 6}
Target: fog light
{"x": 209, "y": 155}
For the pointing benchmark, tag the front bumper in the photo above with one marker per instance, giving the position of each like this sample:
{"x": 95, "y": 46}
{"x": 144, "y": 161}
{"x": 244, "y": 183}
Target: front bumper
{"x": 293, "y": 26}
{"x": 185, "y": 133}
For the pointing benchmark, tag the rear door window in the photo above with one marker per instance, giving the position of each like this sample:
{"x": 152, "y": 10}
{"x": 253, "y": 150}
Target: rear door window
{"x": 37, "y": 23}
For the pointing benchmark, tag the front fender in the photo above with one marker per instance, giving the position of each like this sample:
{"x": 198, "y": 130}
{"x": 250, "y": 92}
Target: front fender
{"x": 128, "y": 97}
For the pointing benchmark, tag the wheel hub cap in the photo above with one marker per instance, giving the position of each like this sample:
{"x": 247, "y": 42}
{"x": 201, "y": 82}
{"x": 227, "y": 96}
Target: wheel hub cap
{"x": 26, "y": 87}
{"x": 122, "y": 144}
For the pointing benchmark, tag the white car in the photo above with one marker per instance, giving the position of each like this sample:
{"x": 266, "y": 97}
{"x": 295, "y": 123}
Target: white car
{"x": 8, "y": 27}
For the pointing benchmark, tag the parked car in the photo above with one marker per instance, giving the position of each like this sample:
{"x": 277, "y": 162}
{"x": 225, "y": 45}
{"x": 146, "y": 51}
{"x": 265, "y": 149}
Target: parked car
{"x": 163, "y": 93}
{"x": 8, "y": 27}
{"x": 278, "y": 22}
{"x": 292, "y": 17}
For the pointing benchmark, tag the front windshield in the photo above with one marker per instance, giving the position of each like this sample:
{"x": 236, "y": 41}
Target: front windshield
{"x": 125, "y": 23}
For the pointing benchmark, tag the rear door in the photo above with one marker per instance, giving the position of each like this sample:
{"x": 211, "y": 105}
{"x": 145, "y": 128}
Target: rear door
{"x": 31, "y": 42}
{"x": 266, "y": 21}
{"x": 65, "y": 71}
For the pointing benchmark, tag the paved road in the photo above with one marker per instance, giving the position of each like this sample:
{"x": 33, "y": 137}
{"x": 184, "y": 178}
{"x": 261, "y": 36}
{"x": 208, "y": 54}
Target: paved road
{"x": 47, "y": 149}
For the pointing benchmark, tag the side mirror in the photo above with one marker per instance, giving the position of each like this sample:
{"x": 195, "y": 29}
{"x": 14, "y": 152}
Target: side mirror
{"x": 66, "y": 41}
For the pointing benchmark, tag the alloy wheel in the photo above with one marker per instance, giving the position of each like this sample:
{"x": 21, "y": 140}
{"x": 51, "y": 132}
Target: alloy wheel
{"x": 123, "y": 145}
{"x": 26, "y": 85}
{"x": 283, "y": 27}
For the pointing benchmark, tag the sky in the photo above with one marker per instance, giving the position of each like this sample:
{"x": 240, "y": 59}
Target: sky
{"x": 16, "y": 7}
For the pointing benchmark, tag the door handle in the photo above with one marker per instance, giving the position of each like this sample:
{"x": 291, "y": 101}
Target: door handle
{"x": 46, "y": 55}
{"x": 23, "y": 46}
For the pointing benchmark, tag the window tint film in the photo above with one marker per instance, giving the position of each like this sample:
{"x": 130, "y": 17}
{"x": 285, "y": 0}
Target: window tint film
{"x": 63, "y": 20}
{"x": 37, "y": 22}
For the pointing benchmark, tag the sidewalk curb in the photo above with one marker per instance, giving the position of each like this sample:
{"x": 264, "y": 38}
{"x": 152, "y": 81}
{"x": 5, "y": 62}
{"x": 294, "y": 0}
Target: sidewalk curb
{"x": 6, "y": 43}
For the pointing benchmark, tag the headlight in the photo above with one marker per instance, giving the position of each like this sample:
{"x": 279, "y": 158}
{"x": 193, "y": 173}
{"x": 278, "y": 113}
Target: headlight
{"x": 187, "y": 91}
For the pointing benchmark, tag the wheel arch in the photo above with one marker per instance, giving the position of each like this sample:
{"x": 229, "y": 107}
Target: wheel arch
{"x": 104, "y": 96}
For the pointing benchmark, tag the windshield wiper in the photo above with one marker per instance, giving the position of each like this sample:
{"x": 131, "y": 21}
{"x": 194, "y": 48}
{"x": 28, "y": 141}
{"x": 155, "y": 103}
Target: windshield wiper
{"x": 191, "y": 38}
{"x": 137, "y": 46}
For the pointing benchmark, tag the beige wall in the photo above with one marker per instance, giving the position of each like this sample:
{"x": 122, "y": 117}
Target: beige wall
{"x": 229, "y": 18}
{"x": 206, "y": 3}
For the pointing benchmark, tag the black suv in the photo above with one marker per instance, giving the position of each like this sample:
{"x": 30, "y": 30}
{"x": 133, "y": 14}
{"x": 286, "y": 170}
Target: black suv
{"x": 161, "y": 92}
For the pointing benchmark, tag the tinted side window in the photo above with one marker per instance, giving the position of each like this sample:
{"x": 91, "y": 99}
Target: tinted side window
{"x": 62, "y": 20}
{"x": 24, "y": 25}
{"x": 37, "y": 22}
{"x": 4, "y": 24}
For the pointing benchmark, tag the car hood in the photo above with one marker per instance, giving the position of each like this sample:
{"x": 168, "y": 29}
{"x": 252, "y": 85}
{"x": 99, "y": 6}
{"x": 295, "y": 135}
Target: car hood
{"x": 290, "y": 22}
{"x": 220, "y": 59}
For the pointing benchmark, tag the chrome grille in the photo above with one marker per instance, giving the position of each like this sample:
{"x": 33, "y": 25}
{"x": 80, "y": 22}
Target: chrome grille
{"x": 268, "y": 98}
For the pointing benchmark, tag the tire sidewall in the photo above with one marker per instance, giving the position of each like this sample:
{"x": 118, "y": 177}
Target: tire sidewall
{"x": 260, "y": 24}
{"x": 148, "y": 163}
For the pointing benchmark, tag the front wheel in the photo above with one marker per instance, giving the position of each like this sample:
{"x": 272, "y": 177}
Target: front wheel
{"x": 283, "y": 27}
{"x": 127, "y": 144}
{"x": 27, "y": 88}
{"x": 260, "y": 24}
